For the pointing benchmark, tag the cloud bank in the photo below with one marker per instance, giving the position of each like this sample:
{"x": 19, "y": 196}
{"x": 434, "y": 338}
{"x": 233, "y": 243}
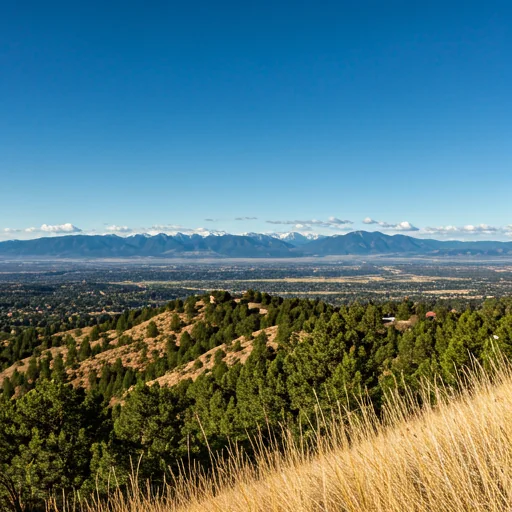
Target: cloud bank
{"x": 308, "y": 225}
{"x": 479, "y": 229}
{"x": 335, "y": 224}
{"x": 60, "y": 228}
{"x": 400, "y": 226}
{"x": 119, "y": 229}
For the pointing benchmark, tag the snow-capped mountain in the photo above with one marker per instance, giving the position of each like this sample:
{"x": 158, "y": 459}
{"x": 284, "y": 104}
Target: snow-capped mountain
{"x": 159, "y": 245}
{"x": 293, "y": 238}
{"x": 180, "y": 234}
{"x": 250, "y": 245}
{"x": 297, "y": 239}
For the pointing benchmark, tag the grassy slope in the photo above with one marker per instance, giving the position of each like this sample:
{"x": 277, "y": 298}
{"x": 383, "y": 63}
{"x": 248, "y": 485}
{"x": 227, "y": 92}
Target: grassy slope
{"x": 130, "y": 354}
{"x": 456, "y": 456}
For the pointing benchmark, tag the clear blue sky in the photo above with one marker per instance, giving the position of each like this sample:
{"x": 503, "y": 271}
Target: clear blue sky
{"x": 165, "y": 114}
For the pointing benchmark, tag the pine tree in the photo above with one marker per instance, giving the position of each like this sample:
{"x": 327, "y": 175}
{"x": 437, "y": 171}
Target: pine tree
{"x": 121, "y": 325}
{"x": 190, "y": 308}
{"x": 59, "y": 370}
{"x": 95, "y": 333}
{"x": 85, "y": 349}
{"x": 44, "y": 367}
{"x": 92, "y": 381}
{"x": 128, "y": 379}
{"x": 175, "y": 323}
{"x": 7, "y": 388}
{"x": 104, "y": 379}
{"x": 455, "y": 356}
{"x": 152, "y": 330}
{"x": 33, "y": 370}
{"x": 72, "y": 354}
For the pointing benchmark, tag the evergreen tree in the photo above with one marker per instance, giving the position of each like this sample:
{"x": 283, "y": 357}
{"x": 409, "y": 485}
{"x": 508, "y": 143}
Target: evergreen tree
{"x": 7, "y": 388}
{"x": 152, "y": 330}
{"x": 94, "y": 335}
{"x": 85, "y": 349}
{"x": 72, "y": 355}
{"x": 121, "y": 325}
{"x": 175, "y": 323}
{"x": 33, "y": 370}
{"x": 59, "y": 370}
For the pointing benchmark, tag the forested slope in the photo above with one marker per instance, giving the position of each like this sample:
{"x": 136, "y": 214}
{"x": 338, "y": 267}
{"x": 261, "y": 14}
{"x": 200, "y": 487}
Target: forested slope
{"x": 453, "y": 456}
{"x": 81, "y": 405}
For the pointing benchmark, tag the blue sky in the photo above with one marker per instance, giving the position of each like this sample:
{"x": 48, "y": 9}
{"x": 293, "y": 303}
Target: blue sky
{"x": 155, "y": 116}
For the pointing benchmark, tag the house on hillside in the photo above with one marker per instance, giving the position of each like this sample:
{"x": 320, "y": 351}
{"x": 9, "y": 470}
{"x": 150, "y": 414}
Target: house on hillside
{"x": 431, "y": 315}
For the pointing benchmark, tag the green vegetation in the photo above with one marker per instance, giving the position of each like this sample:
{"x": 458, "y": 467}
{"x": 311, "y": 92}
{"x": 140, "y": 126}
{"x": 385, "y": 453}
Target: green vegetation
{"x": 55, "y": 438}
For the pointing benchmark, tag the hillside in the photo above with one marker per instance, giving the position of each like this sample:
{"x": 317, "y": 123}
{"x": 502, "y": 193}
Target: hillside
{"x": 133, "y": 349}
{"x": 250, "y": 245}
{"x": 181, "y": 385}
{"x": 452, "y": 457}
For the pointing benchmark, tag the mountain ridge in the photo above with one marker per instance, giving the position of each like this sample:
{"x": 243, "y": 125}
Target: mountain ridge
{"x": 250, "y": 245}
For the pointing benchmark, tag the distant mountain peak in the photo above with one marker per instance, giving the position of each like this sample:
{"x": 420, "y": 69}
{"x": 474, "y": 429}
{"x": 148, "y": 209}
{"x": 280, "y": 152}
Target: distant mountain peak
{"x": 297, "y": 238}
{"x": 249, "y": 245}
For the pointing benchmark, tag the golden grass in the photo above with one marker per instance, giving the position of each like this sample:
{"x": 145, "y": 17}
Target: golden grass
{"x": 455, "y": 456}
{"x": 189, "y": 370}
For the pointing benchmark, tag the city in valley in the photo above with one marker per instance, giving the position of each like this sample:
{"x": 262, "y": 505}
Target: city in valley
{"x": 30, "y": 292}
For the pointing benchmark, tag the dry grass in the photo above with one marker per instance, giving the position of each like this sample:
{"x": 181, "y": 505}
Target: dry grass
{"x": 455, "y": 456}
{"x": 190, "y": 370}
{"x": 129, "y": 355}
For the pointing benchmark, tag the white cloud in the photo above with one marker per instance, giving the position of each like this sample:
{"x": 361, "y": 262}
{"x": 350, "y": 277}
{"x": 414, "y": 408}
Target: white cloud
{"x": 59, "y": 228}
{"x": 302, "y": 227}
{"x": 163, "y": 228}
{"x": 469, "y": 229}
{"x": 338, "y": 222}
{"x": 330, "y": 223}
{"x": 246, "y": 218}
{"x": 405, "y": 226}
{"x": 48, "y": 228}
{"x": 44, "y": 229}
{"x": 119, "y": 229}
{"x": 400, "y": 226}
{"x": 481, "y": 228}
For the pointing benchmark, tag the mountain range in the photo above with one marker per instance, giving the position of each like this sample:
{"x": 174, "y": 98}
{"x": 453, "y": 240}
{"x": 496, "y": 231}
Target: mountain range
{"x": 250, "y": 245}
